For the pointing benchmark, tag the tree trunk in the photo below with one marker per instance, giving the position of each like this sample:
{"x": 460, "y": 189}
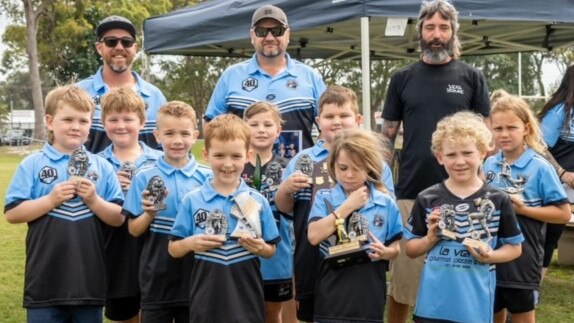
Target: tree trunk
{"x": 34, "y": 66}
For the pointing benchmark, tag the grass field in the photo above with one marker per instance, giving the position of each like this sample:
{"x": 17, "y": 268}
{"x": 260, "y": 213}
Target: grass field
{"x": 557, "y": 290}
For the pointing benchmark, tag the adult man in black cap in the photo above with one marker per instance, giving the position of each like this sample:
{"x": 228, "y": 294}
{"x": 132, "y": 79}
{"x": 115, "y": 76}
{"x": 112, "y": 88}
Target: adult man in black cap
{"x": 117, "y": 45}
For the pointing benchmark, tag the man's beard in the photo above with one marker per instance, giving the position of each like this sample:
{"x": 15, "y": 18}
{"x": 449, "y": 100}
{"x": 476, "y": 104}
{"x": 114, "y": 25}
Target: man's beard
{"x": 437, "y": 55}
{"x": 121, "y": 67}
{"x": 271, "y": 53}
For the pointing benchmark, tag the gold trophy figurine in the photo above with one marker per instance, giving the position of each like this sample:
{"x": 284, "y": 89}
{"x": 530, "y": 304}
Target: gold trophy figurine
{"x": 348, "y": 252}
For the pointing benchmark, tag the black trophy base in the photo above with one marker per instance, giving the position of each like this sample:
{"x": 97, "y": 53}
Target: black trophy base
{"x": 347, "y": 257}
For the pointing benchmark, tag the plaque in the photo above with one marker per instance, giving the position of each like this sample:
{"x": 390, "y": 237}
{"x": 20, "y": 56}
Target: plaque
{"x": 351, "y": 248}
{"x": 216, "y": 224}
{"x": 78, "y": 164}
{"x": 156, "y": 189}
{"x": 479, "y": 220}
{"x": 305, "y": 165}
{"x": 248, "y": 213}
{"x": 446, "y": 223}
{"x": 129, "y": 168}
{"x": 512, "y": 186}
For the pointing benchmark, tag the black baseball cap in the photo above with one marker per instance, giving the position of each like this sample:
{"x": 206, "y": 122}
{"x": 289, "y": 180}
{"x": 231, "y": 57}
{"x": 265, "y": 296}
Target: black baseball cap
{"x": 115, "y": 22}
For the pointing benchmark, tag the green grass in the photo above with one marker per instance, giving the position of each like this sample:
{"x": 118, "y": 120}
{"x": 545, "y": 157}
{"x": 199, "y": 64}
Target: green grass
{"x": 557, "y": 289}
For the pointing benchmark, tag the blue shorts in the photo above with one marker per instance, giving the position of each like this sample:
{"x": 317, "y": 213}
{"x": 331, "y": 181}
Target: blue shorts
{"x": 64, "y": 314}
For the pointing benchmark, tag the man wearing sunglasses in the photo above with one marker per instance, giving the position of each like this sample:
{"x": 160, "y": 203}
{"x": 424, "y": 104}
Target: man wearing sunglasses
{"x": 271, "y": 75}
{"x": 117, "y": 45}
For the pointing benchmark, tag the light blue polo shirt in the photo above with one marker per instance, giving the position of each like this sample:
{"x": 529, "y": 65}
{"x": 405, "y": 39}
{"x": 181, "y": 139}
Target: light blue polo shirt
{"x": 295, "y": 91}
{"x": 152, "y": 96}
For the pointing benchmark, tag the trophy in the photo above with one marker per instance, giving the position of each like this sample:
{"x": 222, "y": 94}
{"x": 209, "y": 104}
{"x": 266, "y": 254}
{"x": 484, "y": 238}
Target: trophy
{"x": 512, "y": 186}
{"x": 129, "y": 168}
{"x": 216, "y": 224}
{"x": 248, "y": 213}
{"x": 446, "y": 223}
{"x": 305, "y": 165}
{"x": 156, "y": 189}
{"x": 483, "y": 215}
{"x": 78, "y": 165}
{"x": 351, "y": 248}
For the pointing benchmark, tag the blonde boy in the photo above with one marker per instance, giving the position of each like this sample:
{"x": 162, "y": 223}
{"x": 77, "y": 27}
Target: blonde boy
{"x": 227, "y": 225}
{"x": 164, "y": 281}
{"x": 123, "y": 115}
{"x": 65, "y": 274}
{"x": 458, "y": 280}
{"x": 307, "y": 173}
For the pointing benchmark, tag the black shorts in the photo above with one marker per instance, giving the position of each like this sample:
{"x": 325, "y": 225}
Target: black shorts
{"x": 515, "y": 300}
{"x": 278, "y": 291}
{"x": 553, "y": 233}
{"x": 305, "y": 309}
{"x": 120, "y": 309}
{"x": 176, "y": 314}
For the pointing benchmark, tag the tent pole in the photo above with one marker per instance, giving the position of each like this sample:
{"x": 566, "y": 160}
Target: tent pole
{"x": 519, "y": 74}
{"x": 365, "y": 66}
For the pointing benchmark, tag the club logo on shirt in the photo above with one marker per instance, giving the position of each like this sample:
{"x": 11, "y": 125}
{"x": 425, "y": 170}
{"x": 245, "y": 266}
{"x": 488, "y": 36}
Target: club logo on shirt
{"x": 292, "y": 84}
{"x": 97, "y": 100}
{"x": 200, "y": 217}
{"x": 48, "y": 174}
{"x": 270, "y": 97}
{"x": 490, "y": 176}
{"x": 378, "y": 221}
{"x": 92, "y": 176}
{"x": 249, "y": 84}
{"x": 453, "y": 88}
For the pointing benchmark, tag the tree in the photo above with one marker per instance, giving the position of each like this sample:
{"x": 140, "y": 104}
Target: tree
{"x": 65, "y": 49}
{"x": 192, "y": 79}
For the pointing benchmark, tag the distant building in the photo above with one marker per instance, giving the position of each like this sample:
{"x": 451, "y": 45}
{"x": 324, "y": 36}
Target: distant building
{"x": 19, "y": 119}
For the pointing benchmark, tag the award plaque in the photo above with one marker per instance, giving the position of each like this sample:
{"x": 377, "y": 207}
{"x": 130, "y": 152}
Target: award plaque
{"x": 129, "y": 168}
{"x": 78, "y": 164}
{"x": 513, "y": 186}
{"x": 248, "y": 213}
{"x": 482, "y": 216}
{"x": 216, "y": 224}
{"x": 156, "y": 189}
{"x": 447, "y": 224}
{"x": 305, "y": 165}
{"x": 350, "y": 249}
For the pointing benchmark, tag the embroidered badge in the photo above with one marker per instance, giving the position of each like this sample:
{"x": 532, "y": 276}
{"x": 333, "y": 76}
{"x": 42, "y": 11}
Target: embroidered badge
{"x": 48, "y": 174}
{"x": 249, "y": 84}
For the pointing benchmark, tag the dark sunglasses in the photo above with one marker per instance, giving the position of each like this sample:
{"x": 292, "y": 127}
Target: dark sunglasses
{"x": 275, "y": 31}
{"x": 112, "y": 42}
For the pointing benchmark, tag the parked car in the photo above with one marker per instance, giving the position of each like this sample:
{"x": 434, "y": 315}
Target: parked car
{"x": 16, "y": 140}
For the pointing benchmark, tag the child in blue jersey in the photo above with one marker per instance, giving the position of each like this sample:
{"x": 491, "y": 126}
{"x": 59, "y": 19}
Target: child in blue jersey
{"x": 227, "y": 226}
{"x": 123, "y": 116}
{"x": 556, "y": 121}
{"x": 65, "y": 272}
{"x": 164, "y": 280}
{"x": 537, "y": 196}
{"x": 307, "y": 173}
{"x": 361, "y": 204}
{"x": 264, "y": 120}
{"x": 458, "y": 281}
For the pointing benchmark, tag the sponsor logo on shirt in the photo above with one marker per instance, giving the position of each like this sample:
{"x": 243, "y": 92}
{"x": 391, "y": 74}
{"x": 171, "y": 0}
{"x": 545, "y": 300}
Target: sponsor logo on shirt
{"x": 453, "y": 88}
